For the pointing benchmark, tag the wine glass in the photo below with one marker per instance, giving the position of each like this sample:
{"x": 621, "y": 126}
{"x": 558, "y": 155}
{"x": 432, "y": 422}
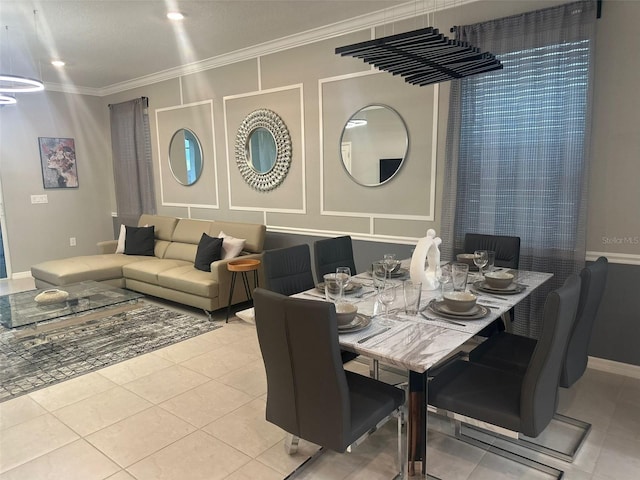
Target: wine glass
{"x": 480, "y": 258}
{"x": 390, "y": 263}
{"x": 387, "y": 296}
{"x": 343, "y": 275}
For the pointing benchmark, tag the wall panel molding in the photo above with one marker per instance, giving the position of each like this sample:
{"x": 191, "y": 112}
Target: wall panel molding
{"x": 288, "y": 103}
{"x": 413, "y": 155}
{"x": 622, "y": 258}
{"x": 168, "y": 120}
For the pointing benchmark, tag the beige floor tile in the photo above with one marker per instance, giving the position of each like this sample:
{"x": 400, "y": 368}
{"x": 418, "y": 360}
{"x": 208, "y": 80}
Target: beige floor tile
{"x": 121, "y": 475}
{"x": 630, "y": 390}
{"x": 220, "y": 361}
{"x": 279, "y": 460}
{"x": 165, "y": 384}
{"x": 75, "y": 461}
{"x": 254, "y": 470}
{"x": 182, "y": 351}
{"x": 31, "y": 439}
{"x": 195, "y": 457}
{"x": 135, "y": 368}
{"x": 450, "y": 458}
{"x": 495, "y": 467}
{"x": 246, "y": 429}
{"x": 619, "y": 459}
{"x": 18, "y": 410}
{"x": 140, "y": 435}
{"x": 8, "y": 286}
{"x": 625, "y": 422}
{"x": 250, "y": 379}
{"x": 106, "y": 408}
{"x": 206, "y": 403}
{"x": 72, "y": 391}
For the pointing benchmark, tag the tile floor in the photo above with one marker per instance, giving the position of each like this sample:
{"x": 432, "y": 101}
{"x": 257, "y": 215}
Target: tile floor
{"x": 195, "y": 410}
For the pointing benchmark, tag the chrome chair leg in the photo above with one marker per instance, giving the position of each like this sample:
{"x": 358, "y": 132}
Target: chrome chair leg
{"x": 291, "y": 444}
{"x": 374, "y": 369}
{"x": 547, "y": 469}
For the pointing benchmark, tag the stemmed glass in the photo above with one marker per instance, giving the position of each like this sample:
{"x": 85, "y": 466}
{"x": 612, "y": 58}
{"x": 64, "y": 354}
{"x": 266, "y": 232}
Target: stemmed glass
{"x": 390, "y": 263}
{"x": 343, "y": 276}
{"x": 387, "y": 296}
{"x": 480, "y": 258}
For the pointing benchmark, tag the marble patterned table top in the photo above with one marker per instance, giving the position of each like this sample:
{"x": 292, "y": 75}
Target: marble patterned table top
{"x": 413, "y": 342}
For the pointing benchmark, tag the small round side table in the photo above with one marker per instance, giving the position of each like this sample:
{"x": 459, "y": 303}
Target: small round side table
{"x": 242, "y": 266}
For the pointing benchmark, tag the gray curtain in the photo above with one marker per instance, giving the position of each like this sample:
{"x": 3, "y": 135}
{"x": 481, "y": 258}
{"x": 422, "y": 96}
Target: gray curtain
{"x": 517, "y": 150}
{"x": 132, "y": 163}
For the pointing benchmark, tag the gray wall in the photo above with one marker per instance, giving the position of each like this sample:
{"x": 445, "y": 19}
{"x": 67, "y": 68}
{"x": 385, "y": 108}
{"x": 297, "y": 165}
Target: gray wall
{"x": 294, "y": 81}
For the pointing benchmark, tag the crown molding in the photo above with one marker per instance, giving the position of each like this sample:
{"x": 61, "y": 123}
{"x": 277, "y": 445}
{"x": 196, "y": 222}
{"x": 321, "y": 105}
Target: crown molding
{"x": 59, "y": 87}
{"x": 401, "y": 12}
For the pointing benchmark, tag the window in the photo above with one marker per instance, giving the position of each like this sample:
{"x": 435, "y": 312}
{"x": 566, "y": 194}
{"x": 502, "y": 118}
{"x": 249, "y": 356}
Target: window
{"x": 522, "y": 135}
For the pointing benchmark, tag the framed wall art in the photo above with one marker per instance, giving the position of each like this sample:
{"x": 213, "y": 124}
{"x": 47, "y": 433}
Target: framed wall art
{"x": 58, "y": 160}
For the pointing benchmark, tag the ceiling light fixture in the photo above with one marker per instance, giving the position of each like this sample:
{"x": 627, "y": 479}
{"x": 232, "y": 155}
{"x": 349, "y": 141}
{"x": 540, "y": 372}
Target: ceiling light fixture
{"x": 175, "y": 16}
{"x": 10, "y": 83}
{"x": 57, "y": 63}
{"x": 7, "y": 100}
{"x": 423, "y": 57}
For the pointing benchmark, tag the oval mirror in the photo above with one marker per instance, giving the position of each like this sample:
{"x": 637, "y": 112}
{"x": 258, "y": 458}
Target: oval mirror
{"x": 374, "y": 144}
{"x": 185, "y": 157}
{"x": 261, "y": 150}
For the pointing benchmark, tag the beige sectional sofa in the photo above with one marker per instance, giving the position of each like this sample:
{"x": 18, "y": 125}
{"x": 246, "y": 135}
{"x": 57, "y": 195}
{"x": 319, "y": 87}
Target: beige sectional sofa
{"x": 170, "y": 273}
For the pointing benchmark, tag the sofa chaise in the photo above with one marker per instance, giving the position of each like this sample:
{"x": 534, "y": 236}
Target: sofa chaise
{"x": 170, "y": 273}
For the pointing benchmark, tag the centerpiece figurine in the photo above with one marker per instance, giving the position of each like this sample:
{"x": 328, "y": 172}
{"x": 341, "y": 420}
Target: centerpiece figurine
{"x": 427, "y": 252}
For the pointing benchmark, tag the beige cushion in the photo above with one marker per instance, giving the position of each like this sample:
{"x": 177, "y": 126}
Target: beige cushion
{"x": 87, "y": 267}
{"x": 189, "y": 279}
{"x": 148, "y": 271}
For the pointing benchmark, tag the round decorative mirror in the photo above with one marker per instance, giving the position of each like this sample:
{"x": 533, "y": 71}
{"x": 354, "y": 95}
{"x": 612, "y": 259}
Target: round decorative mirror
{"x": 185, "y": 157}
{"x": 374, "y": 144}
{"x": 263, "y": 150}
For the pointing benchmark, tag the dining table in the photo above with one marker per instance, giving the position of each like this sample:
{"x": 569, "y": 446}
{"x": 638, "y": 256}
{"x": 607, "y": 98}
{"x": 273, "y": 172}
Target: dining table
{"x": 420, "y": 342}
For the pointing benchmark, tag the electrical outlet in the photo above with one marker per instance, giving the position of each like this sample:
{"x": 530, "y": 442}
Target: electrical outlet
{"x": 39, "y": 199}
{"x": 72, "y": 241}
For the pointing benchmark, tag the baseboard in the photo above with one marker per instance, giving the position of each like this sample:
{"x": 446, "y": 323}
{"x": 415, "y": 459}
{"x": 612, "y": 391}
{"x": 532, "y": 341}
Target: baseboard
{"x": 20, "y": 275}
{"x": 619, "y": 368}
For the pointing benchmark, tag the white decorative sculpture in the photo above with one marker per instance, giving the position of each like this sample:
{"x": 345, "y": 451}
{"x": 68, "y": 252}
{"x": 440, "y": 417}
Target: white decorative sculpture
{"x": 427, "y": 251}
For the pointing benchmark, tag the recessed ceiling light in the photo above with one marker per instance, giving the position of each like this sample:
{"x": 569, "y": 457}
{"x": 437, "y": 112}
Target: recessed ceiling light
{"x": 57, "y": 63}
{"x": 175, "y": 16}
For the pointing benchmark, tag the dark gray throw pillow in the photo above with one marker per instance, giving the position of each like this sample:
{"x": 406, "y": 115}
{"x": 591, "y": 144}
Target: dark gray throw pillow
{"x": 209, "y": 250}
{"x": 139, "y": 241}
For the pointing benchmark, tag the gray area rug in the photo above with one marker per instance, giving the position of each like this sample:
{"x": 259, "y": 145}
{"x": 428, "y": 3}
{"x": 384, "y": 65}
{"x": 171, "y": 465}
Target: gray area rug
{"x": 61, "y": 349}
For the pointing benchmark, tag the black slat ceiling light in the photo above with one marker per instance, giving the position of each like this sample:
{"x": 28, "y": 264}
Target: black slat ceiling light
{"x": 423, "y": 56}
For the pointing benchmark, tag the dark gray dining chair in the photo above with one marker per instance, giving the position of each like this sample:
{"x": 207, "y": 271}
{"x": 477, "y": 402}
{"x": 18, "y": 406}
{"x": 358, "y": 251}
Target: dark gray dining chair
{"x": 511, "y": 352}
{"x": 288, "y": 271}
{"x": 309, "y": 394}
{"x": 507, "y": 248}
{"x": 331, "y": 253}
{"x": 515, "y": 404}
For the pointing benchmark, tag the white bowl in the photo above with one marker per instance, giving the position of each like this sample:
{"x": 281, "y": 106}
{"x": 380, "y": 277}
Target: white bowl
{"x": 498, "y": 279}
{"x": 345, "y": 313}
{"x": 459, "y": 301}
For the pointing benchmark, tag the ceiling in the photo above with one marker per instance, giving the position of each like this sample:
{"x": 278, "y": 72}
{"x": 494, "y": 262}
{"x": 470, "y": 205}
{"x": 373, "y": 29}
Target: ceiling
{"x": 106, "y": 43}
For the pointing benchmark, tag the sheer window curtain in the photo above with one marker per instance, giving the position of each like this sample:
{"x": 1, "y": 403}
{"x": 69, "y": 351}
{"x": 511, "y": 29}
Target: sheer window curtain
{"x": 517, "y": 150}
{"x": 132, "y": 162}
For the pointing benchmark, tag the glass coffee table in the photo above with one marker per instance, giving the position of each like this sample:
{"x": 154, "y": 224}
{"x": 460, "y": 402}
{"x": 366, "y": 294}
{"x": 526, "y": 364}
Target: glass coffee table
{"x": 19, "y": 309}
